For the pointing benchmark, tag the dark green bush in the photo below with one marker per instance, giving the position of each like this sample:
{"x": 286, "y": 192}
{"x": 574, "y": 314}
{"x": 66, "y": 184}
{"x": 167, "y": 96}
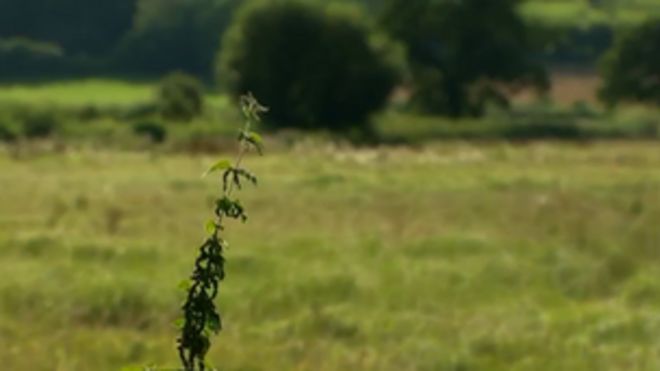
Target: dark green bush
{"x": 155, "y": 131}
{"x": 180, "y": 97}
{"x": 9, "y": 130}
{"x": 315, "y": 68}
{"x": 39, "y": 124}
{"x": 465, "y": 53}
{"x": 543, "y": 130}
{"x": 18, "y": 121}
{"x": 140, "y": 111}
{"x": 631, "y": 69}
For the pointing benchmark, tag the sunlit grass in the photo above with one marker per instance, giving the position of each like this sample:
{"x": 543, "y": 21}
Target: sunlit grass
{"x": 88, "y": 92}
{"x": 76, "y": 93}
{"x": 445, "y": 257}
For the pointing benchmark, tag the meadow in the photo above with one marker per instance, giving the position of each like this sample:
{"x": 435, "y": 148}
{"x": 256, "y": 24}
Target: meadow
{"x": 444, "y": 256}
{"x": 111, "y": 113}
{"x": 421, "y": 206}
{"x": 88, "y": 92}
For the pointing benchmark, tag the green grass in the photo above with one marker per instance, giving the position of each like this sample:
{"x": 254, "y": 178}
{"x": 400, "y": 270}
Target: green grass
{"x": 77, "y": 93}
{"x": 104, "y": 113}
{"x": 447, "y": 257}
{"x": 100, "y": 93}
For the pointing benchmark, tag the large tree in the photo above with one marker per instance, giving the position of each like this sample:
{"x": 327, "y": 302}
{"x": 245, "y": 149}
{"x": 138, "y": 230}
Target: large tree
{"x": 314, "y": 67}
{"x": 463, "y": 53}
{"x": 631, "y": 69}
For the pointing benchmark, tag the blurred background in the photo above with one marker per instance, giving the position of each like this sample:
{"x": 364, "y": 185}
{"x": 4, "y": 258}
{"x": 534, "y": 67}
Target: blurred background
{"x": 447, "y": 185}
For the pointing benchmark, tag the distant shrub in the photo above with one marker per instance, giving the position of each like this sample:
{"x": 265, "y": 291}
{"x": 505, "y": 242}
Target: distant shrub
{"x": 631, "y": 70}
{"x": 543, "y": 130}
{"x": 18, "y": 121}
{"x": 180, "y": 97}
{"x": 39, "y": 124}
{"x": 9, "y": 130}
{"x": 153, "y": 130}
{"x": 464, "y": 55}
{"x": 89, "y": 112}
{"x": 634, "y": 122}
{"x": 140, "y": 111}
{"x": 317, "y": 68}
{"x": 582, "y": 108}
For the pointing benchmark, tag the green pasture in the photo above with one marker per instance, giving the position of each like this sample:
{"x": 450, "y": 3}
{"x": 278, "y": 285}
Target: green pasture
{"x": 104, "y": 112}
{"x": 450, "y": 256}
{"x": 92, "y": 92}
{"x": 77, "y": 93}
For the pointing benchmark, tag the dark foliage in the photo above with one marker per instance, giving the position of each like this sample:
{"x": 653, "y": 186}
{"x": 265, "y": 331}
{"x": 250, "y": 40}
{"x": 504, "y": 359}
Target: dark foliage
{"x": 180, "y": 97}
{"x": 39, "y": 124}
{"x": 170, "y": 35}
{"x": 631, "y": 69}
{"x": 577, "y": 45}
{"x": 463, "y": 53}
{"x": 90, "y": 27}
{"x": 9, "y": 131}
{"x": 153, "y": 130}
{"x": 201, "y": 318}
{"x": 24, "y": 121}
{"x": 19, "y": 56}
{"x": 22, "y": 59}
{"x": 316, "y": 68}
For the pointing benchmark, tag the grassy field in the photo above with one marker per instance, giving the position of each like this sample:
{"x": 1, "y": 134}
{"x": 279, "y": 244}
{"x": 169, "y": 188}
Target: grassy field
{"x": 106, "y": 113}
{"x": 77, "y": 93}
{"x": 457, "y": 256}
{"x": 81, "y": 93}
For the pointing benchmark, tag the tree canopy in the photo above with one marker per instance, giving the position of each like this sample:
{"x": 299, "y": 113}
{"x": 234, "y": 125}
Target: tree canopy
{"x": 315, "y": 67}
{"x": 631, "y": 69}
{"x": 463, "y": 53}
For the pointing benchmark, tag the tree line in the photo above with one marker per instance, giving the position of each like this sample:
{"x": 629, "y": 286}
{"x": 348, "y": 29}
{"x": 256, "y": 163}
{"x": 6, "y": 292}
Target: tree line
{"x": 316, "y": 63}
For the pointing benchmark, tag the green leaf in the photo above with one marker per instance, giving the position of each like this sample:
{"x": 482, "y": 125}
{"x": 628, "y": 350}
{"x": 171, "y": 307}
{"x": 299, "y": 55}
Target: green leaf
{"x": 205, "y": 346}
{"x": 179, "y": 323}
{"x": 184, "y": 285}
{"x": 218, "y": 166}
{"x": 255, "y": 138}
{"x": 214, "y": 323}
{"x": 209, "y": 365}
{"x": 210, "y": 226}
